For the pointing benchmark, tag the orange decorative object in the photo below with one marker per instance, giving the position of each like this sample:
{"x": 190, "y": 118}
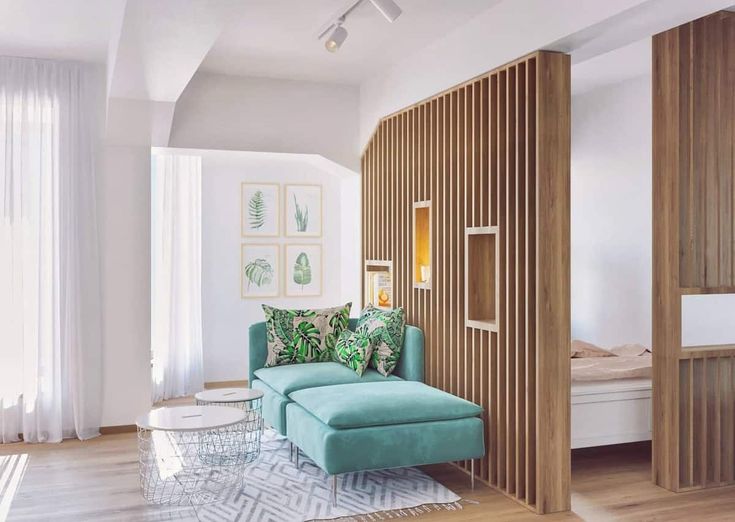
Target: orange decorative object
{"x": 383, "y": 298}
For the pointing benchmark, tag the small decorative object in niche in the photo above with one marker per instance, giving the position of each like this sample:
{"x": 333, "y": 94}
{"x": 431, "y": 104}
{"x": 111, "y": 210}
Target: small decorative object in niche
{"x": 303, "y": 210}
{"x": 303, "y": 270}
{"x": 259, "y": 210}
{"x": 379, "y": 283}
{"x": 259, "y": 271}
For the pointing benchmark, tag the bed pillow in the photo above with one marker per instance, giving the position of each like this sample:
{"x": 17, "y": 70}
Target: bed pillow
{"x": 385, "y": 329}
{"x": 354, "y": 350}
{"x": 630, "y": 350}
{"x": 582, "y": 349}
{"x": 299, "y": 336}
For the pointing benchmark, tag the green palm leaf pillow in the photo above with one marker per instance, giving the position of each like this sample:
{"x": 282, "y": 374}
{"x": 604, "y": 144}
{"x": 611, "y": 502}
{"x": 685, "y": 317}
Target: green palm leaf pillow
{"x": 353, "y": 349}
{"x": 385, "y": 329}
{"x": 298, "y": 336}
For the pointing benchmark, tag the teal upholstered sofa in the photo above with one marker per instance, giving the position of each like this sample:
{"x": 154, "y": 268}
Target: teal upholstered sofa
{"x": 347, "y": 423}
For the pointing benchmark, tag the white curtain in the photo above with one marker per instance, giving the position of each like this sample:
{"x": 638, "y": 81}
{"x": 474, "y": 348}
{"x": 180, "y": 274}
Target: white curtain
{"x": 50, "y": 344}
{"x": 176, "y": 280}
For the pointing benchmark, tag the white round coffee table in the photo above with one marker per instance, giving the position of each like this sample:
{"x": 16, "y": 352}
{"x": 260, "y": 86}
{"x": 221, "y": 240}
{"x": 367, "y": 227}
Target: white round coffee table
{"x": 246, "y": 399}
{"x": 190, "y": 454}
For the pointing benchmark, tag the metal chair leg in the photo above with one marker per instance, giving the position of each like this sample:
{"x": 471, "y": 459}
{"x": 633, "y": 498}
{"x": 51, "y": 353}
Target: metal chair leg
{"x": 297, "y": 456}
{"x": 334, "y": 490}
{"x": 472, "y": 474}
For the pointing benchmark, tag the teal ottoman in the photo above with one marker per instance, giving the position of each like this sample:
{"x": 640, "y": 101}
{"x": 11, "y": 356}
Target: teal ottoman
{"x": 367, "y": 426}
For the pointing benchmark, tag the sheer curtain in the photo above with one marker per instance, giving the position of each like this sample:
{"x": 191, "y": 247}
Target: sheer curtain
{"x": 176, "y": 288}
{"x": 50, "y": 351}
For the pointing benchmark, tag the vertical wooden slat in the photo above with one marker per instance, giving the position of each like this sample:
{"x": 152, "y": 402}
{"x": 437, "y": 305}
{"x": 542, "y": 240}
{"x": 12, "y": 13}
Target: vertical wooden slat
{"x": 492, "y": 413}
{"x": 688, "y": 271}
{"x": 502, "y": 315}
{"x": 726, "y": 139}
{"x": 667, "y": 299}
{"x": 531, "y": 283}
{"x": 553, "y": 313}
{"x": 521, "y": 294}
{"x": 727, "y": 404}
{"x": 510, "y": 271}
{"x": 683, "y": 427}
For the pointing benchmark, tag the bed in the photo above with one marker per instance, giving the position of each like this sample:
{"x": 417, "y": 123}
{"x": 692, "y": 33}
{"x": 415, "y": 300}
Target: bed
{"x": 611, "y": 400}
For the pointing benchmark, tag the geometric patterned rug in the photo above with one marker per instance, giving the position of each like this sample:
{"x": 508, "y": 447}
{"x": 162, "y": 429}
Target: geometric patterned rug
{"x": 275, "y": 491}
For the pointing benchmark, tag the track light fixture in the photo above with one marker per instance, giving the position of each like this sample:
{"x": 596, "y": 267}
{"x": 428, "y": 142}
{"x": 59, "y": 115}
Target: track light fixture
{"x": 338, "y": 34}
{"x": 387, "y": 8}
{"x": 335, "y": 40}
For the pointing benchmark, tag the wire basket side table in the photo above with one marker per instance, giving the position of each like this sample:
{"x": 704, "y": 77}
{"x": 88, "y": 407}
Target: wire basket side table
{"x": 247, "y": 400}
{"x": 186, "y": 453}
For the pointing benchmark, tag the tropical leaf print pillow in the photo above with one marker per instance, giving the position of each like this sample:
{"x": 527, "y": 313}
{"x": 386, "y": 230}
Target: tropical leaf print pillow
{"x": 385, "y": 329}
{"x": 354, "y": 349}
{"x": 298, "y": 336}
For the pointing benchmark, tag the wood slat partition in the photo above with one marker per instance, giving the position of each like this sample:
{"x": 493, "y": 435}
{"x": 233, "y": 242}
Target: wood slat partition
{"x": 694, "y": 249}
{"x": 492, "y": 157}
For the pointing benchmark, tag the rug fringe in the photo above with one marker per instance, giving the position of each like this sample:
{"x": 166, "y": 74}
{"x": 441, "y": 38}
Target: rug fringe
{"x": 405, "y": 512}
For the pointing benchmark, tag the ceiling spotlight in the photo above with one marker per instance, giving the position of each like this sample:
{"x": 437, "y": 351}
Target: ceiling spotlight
{"x": 387, "y": 8}
{"x": 336, "y": 39}
{"x": 338, "y": 34}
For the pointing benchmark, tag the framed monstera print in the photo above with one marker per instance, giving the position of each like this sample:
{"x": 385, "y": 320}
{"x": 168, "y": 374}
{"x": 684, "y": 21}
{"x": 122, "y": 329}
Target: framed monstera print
{"x": 259, "y": 209}
{"x": 303, "y": 270}
{"x": 303, "y": 210}
{"x": 259, "y": 271}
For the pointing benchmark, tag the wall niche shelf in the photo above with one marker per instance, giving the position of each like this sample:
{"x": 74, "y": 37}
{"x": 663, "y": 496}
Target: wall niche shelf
{"x": 379, "y": 283}
{"x": 422, "y": 245}
{"x": 480, "y": 276}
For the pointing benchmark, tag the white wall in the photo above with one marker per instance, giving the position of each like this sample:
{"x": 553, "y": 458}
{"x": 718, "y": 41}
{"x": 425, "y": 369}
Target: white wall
{"x": 124, "y": 224}
{"x": 265, "y": 115}
{"x": 611, "y": 213}
{"x": 707, "y": 320}
{"x": 225, "y": 315}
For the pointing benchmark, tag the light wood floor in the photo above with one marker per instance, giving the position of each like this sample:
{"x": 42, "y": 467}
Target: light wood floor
{"x": 97, "y": 480}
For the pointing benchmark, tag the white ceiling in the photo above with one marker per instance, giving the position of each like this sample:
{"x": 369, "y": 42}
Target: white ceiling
{"x": 277, "y": 38}
{"x": 57, "y": 29}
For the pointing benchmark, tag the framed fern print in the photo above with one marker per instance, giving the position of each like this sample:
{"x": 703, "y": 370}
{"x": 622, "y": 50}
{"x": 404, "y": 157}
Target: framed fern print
{"x": 259, "y": 209}
{"x": 259, "y": 271}
{"x": 303, "y": 270}
{"x": 303, "y": 210}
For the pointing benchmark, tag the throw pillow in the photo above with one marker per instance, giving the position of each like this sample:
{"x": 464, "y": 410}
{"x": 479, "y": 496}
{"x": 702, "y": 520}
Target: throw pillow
{"x": 385, "y": 329}
{"x": 354, "y": 349}
{"x": 298, "y": 336}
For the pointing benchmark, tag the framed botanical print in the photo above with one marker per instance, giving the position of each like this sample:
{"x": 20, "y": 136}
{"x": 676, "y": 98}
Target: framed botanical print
{"x": 303, "y": 210}
{"x": 259, "y": 209}
{"x": 259, "y": 271}
{"x": 303, "y": 270}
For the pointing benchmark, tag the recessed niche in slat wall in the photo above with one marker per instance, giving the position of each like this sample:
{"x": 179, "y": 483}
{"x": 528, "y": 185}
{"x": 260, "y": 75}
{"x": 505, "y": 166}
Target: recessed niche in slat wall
{"x": 379, "y": 288}
{"x": 480, "y": 278}
{"x": 497, "y": 310}
{"x": 422, "y": 244}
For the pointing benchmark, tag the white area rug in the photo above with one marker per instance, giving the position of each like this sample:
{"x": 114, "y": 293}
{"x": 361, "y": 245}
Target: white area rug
{"x": 275, "y": 491}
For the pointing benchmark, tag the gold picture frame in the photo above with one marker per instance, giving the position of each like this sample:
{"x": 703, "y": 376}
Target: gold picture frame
{"x": 265, "y": 209}
{"x": 254, "y": 284}
{"x": 309, "y": 195}
{"x": 291, "y": 257}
